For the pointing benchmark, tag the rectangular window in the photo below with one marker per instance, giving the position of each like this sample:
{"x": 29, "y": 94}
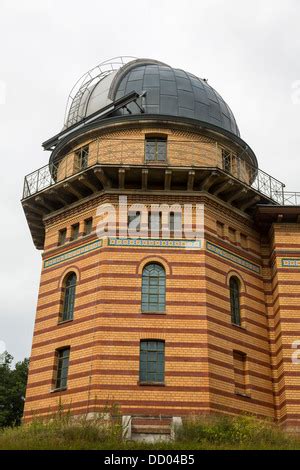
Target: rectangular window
{"x": 240, "y": 372}
{"x": 226, "y": 160}
{"x": 156, "y": 149}
{"x": 244, "y": 241}
{"x": 88, "y": 226}
{"x": 220, "y": 229}
{"x": 62, "y": 235}
{"x": 74, "y": 231}
{"x": 152, "y": 361}
{"x": 154, "y": 224}
{"x": 63, "y": 356}
{"x": 81, "y": 158}
{"x": 175, "y": 221}
{"x": 232, "y": 235}
{"x": 134, "y": 221}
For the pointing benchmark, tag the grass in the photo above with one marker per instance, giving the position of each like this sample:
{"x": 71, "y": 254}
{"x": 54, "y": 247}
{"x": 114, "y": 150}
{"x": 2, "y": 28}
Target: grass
{"x": 197, "y": 433}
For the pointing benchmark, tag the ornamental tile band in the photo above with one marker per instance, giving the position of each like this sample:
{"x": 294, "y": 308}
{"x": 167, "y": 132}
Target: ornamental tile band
{"x": 290, "y": 262}
{"x": 72, "y": 253}
{"x": 153, "y": 243}
{"x": 232, "y": 257}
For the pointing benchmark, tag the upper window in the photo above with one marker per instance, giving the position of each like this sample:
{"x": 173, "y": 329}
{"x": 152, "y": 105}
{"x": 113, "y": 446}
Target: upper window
{"x": 81, "y": 158}
{"x": 244, "y": 241}
{"x": 153, "y": 288}
{"x": 220, "y": 229}
{"x": 63, "y": 356}
{"x": 234, "y": 285}
{"x": 88, "y": 226}
{"x": 152, "y": 361}
{"x": 232, "y": 235}
{"x": 226, "y": 160}
{"x": 155, "y": 149}
{"x": 75, "y": 231}
{"x": 155, "y": 223}
{"x": 62, "y": 235}
{"x": 134, "y": 220}
{"x": 69, "y": 297}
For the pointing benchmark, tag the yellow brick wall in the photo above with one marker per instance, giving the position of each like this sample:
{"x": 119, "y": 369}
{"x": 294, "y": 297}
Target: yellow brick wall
{"x": 284, "y": 301}
{"x": 108, "y": 324}
{"x": 128, "y": 147}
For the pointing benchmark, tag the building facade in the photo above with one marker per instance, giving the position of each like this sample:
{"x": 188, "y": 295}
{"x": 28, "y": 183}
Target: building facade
{"x": 161, "y": 326}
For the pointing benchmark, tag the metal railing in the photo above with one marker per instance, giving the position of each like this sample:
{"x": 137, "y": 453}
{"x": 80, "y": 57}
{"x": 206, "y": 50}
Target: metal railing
{"x": 291, "y": 199}
{"x": 183, "y": 153}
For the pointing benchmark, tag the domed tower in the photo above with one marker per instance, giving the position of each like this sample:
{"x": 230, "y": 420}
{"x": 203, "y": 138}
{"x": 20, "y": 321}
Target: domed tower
{"x": 159, "y": 324}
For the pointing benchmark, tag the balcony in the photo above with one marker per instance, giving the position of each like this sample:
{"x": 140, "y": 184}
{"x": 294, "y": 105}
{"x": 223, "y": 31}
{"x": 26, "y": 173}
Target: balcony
{"x": 120, "y": 165}
{"x": 179, "y": 154}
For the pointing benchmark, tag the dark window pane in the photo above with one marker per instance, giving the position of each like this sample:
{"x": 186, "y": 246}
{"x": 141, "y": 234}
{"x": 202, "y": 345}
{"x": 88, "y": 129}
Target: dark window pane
{"x": 153, "y": 288}
{"x": 69, "y": 297}
{"x": 62, "y": 234}
{"x": 234, "y": 286}
{"x": 155, "y": 149}
{"x": 62, "y": 367}
{"x": 81, "y": 158}
{"x": 88, "y": 225}
{"x": 75, "y": 231}
{"x": 152, "y": 361}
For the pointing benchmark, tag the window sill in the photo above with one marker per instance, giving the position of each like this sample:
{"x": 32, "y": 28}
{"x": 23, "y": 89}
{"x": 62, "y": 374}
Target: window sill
{"x": 153, "y": 313}
{"x": 63, "y": 322}
{"x": 156, "y": 162}
{"x": 152, "y": 384}
{"x": 240, "y": 327}
{"x": 55, "y": 390}
{"x": 243, "y": 395}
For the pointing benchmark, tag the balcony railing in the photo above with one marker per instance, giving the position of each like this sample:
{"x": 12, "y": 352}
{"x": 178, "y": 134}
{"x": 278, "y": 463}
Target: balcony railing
{"x": 184, "y": 153}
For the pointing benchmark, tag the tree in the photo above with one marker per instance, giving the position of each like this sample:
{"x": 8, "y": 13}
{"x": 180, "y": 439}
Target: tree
{"x": 12, "y": 390}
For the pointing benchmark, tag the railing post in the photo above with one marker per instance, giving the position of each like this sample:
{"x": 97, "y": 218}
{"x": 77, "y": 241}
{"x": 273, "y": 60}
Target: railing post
{"x": 37, "y": 181}
{"x": 98, "y": 145}
{"x": 26, "y": 191}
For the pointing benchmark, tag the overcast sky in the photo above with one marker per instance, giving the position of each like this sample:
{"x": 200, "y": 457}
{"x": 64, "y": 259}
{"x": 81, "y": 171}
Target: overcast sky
{"x": 249, "y": 51}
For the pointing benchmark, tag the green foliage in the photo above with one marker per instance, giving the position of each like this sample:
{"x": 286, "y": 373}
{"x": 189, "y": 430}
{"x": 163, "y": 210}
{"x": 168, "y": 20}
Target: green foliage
{"x": 65, "y": 432}
{"x": 239, "y": 431}
{"x": 12, "y": 390}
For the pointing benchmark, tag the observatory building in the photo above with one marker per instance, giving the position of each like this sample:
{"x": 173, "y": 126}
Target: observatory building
{"x": 162, "y": 326}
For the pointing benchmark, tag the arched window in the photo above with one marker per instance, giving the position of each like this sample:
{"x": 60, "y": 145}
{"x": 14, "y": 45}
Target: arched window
{"x": 69, "y": 297}
{"x": 153, "y": 288}
{"x": 234, "y": 285}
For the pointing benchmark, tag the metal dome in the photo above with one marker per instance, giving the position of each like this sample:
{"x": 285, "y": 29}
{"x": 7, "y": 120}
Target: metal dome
{"x": 165, "y": 91}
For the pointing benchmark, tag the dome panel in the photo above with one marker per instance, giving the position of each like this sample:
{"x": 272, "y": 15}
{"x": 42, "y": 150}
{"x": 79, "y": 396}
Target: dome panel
{"x": 166, "y": 91}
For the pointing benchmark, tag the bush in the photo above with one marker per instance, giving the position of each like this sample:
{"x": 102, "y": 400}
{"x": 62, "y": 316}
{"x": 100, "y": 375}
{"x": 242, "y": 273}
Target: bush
{"x": 62, "y": 432}
{"x": 232, "y": 431}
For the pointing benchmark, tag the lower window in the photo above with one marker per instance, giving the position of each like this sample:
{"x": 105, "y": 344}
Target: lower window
{"x": 240, "y": 373}
{"x": 63, "y": 356}
{"x": 152, "y": 361}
